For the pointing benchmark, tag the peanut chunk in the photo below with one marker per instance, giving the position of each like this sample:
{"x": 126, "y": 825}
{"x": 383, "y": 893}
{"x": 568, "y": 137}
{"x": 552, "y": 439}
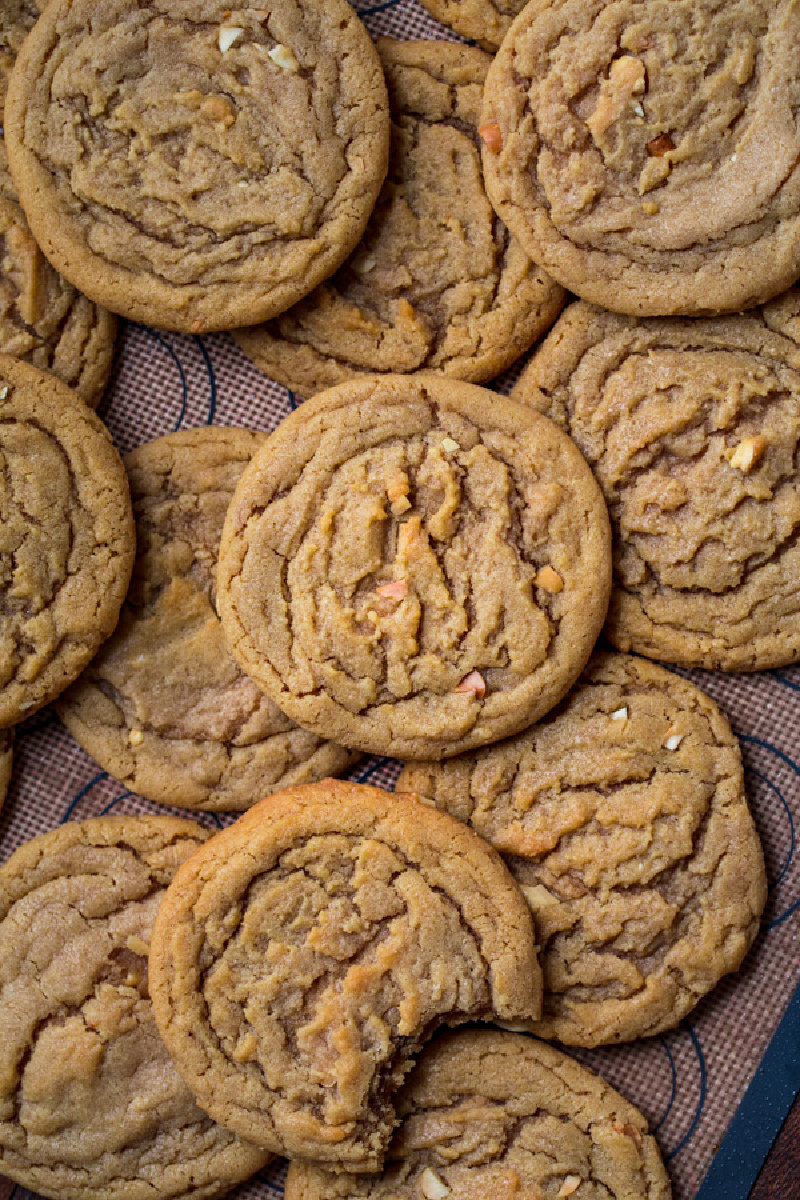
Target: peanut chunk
{"x": 625, "y": 80}
{"x": 136, "y": 737}
{"x": 748, "y": 453}
{"x": 283, "y": 57}
{"x": 491, "y": 136}
{"x": 549, "y": 580}
{"x": 219, "y": 110}
{"x": 475, "y": 683}
{"x": 228, "y": 34}
{"x": 619, "y": 714}
{"x": 395, "y": 590}
{"x": 571, "y": 1184}
{"x": 660, "y": 146}
{"x": 433, "y": 1186}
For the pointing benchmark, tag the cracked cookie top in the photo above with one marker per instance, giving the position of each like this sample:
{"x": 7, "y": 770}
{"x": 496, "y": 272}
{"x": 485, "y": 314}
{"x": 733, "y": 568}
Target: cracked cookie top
{"x": 414, "y": 566}
{"x": 486, "y": 21}
{"x": 67, "y": 538}
{"x": 645, "y": 152}
{"x": 43, "y": 319}
{"x": 163, "y": 706}
{"x": 90, "y": 1103}
{"x": 622, "y": 816}
{"x": 500, "y": 1115}
{"x": 436, "y": 283}
{"x": 692, "y": 430}
{"x": 17, "y": 18}
{"x": 198, "y": 165}
{"x": 303, "y": 956}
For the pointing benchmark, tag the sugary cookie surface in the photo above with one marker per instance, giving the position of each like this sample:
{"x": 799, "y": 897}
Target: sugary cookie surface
{"x": 303, "y": 957}
{"x": 645, "y": 151}
{"x": 623, "y": 818}
{"x": 414, "y": 567}
{"x": 197, "y": 166}
{"x": 486, "y": 21}
{"x": 488, "y": 1114}
{"x": 164, "y": 707}
{"x": 90, "y": 1103}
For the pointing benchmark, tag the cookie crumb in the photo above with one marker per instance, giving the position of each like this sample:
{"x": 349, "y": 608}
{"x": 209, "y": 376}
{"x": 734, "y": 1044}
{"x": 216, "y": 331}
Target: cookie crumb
{"x": 491, "y": 136}
{"x": 283, "y": 57}
{"x": 570, "y": 1185}
{"x": 549, "y": 580}
{"x": 433, "y": 1187}
{"x": 228, "y": 34}
{"x": 474, "y": 682}
{"x": 748, "y": 453}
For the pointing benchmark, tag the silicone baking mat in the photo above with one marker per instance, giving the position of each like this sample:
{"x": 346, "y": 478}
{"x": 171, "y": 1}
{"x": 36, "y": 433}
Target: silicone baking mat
{"x": 690, "y": 1082}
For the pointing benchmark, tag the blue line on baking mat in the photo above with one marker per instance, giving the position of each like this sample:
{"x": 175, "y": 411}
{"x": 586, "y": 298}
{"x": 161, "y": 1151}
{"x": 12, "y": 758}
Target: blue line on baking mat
{"x": 789, "y": 683}
{"x": 376, "y": 8}
{"x": 744, "y": 737}
{"x": 673, "y": 1086}
{"x": 212, "y": 381}
{"x": 698, "y": 1112}
{"x": 87, "y": 787}
{"x": 758, "y": 1119}
{"x": 171, "y": 352}
{"x": 369, "y": 771}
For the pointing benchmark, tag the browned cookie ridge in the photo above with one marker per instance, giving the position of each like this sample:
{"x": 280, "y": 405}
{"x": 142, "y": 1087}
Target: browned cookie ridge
{"x": 163, "y": 706}
{"x": 302, "y": 957}
{"x": 67, "y": 539}
{"x": 501, "y": 1116}
{"x": 692, "y": 429}
{"x": 218, "y": 177}
{"x": 43, "y": 319}
{"x": 414, "y": 566}
{"x": 91, "y": 1107}
{"x": 436, "y": 283}
{"x": 622, "y": 815}
{"x": 645, "y": 152}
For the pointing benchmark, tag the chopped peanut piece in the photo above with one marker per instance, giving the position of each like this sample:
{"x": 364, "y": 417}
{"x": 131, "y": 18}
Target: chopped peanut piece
{"x": 650, "y": 207}
{"x": 660, "y": 146}
{"x": 570, "y": 1185}
{"x": 748, "y": 453}
{"x": 136, "y": 737}
{"x": 491, "y": 136}
{"x": 433, "y": 1187}
{"x": 673, "y": 741}
{"x": 625, "y": 80}
{"x": 395, "y": 590}
{"x": 619, "y": 714}
{"x": 218, "y": 109}
{"x": 228, "y": 34}
{"x": 397, "y": 488}
{"x": 630, "y": 1131}
{"x": 474, "y": 682}
{"x": 137, "y": 945}
{"x": 549, "y": 580}
{"x": 283, "y": 57}
{"x": 407, "y": 535}
{"x": 449, "y": 445}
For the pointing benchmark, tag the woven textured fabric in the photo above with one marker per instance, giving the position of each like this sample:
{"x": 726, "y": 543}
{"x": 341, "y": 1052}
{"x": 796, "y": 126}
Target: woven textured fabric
{"x": 689, "y": 1082}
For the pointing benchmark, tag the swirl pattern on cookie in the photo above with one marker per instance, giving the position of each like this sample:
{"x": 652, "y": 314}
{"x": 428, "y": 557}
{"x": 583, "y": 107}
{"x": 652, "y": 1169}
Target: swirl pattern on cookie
{"x": 645, "y": 151}
{"x": 623, "y": 818}
{"x": 414, "y": 566}
{"x": 221, "y": 175}
{"x": 163, "y": 706}
{"x": 91, "y": 1106}
{"x": 304, "y": 955}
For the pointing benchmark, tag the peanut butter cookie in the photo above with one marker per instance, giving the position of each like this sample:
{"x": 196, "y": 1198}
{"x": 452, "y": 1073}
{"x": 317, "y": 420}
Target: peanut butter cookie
{"x": 163, "y": 706}
{"x": 226, "y": 172}
{"x": 436, "y": 284}
{"x": 43, "y": 319}
{"x": 304, "y": 954}
{"x": 623, "y": 818}
{"x": 500, "y": 1115}
{"x": 17, "y": 18}
{"x": 646, "y": 153}
{"x": 692, "y": 429}
{"x": 67, "y": 538}
{"x": 414, "y": 566}
{"x": 6, "y": 754}
{"x": 485, "y": 21}
{"x": 91, "y": 1107}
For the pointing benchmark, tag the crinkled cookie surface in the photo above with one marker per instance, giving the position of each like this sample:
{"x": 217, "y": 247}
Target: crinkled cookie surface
{"x": 164, "y": 707}
{"x": 197, "y": 165}
{"x": 622, "y": 816}
{"x": 645, "y": 151}
{"x": 414, "y": 566}
{"x": 304, "y": 955}
{"x": 90, "y": 1103}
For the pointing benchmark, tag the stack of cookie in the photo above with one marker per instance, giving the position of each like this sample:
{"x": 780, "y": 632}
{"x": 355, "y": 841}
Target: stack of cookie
{"x": 409, "y": 565}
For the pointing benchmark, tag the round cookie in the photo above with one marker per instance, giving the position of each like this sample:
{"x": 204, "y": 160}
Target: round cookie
{"x": 436, "y": 283}
{"x": 17, "y": 18}
{"x": 229, "y": 170}
{"x": 692, "y": 430}
{"x": 302, "y": 957}
{"x": 501, "y": 1115}
{"x": 646, "y": 154}
{"x": 6, "y": 755}
{"x": 163, "y": 706}
{"x": 91, "y": 1107}
{"x": 622, "y": 815}
{"x": 43, "y": 319}
{"x": 414, "y": 566}
{"x": 67, "y": 539}
{"x": 485, "y": 21}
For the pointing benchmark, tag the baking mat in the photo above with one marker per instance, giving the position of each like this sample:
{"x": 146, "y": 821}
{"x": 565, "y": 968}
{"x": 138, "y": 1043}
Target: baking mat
{"x": 690, "y": 1082}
